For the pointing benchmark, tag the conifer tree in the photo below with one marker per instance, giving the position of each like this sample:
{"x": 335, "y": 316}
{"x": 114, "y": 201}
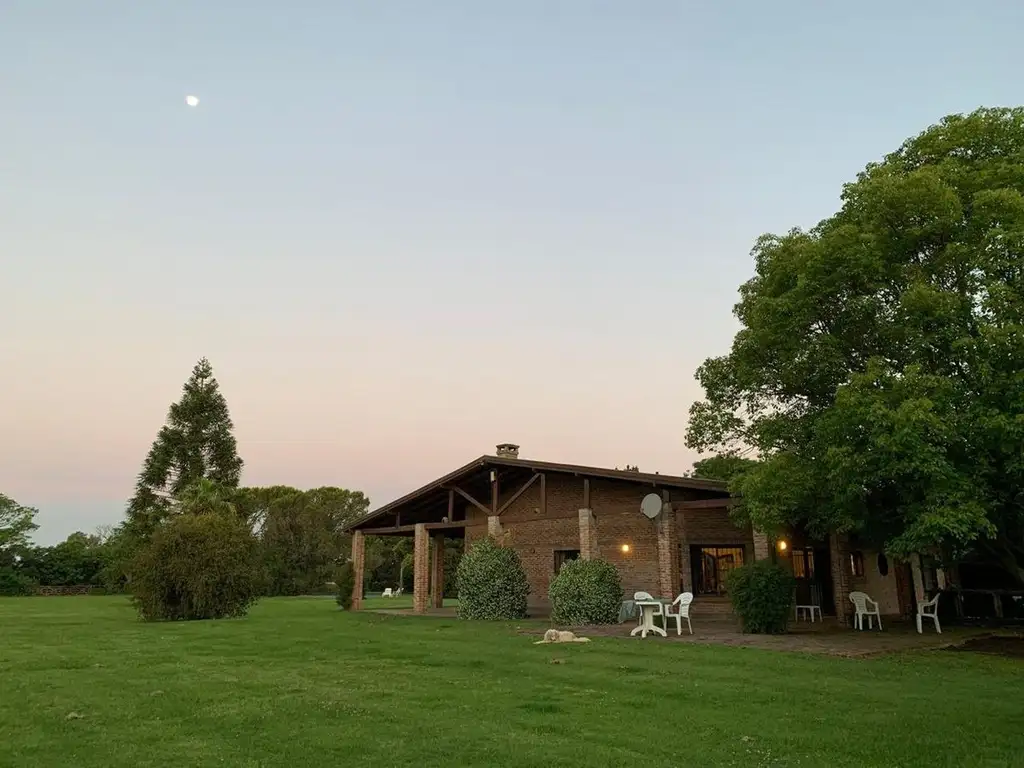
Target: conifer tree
{"x": 196, "y": 443}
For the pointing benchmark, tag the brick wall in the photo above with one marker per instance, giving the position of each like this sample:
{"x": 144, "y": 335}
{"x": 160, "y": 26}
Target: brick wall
{"x": 883, "y": 589}
{"x": 712, "y": 526}
{"x": 708, "y": 528}
{"x": 616, "y": 521}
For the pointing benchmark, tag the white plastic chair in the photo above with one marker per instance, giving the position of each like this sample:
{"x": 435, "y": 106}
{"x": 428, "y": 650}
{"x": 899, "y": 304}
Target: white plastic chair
{"x": 682, "y": 612}
{"x": 387, "y": 593}
{"x": 929, "y": 610}
{"x": 866, "y": 607}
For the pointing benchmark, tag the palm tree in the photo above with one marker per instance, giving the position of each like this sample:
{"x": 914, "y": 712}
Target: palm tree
{"x": 205, "y": 497}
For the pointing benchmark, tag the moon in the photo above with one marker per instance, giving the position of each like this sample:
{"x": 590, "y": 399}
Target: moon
{"x": 192, "y": 101}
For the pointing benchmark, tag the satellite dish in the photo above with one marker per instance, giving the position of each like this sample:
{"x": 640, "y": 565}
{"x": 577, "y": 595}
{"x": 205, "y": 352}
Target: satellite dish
{"x": 651, "y": 505}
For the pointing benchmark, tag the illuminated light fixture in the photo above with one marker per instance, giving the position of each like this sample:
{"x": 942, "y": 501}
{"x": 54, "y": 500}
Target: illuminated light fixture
{"x": 782, "y": 545}
{"x": 625, "y": 549}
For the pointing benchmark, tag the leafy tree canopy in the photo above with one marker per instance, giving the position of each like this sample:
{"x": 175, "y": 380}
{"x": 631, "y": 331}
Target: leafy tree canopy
{"x": 16, "y": 523}
{"x": 879, "y": 371}
{"x": 301, "y": 532}
{"x": 195, "y": 443}
{"x": 79, "y": 559}
{"x": 726, "y": 467}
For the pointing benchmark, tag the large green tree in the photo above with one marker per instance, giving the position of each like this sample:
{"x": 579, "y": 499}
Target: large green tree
{"x": 16, "y": 522}
{"x": 302, "y": 532}
{"x": 195, "y": 443}
{"x": 879, "y": 371}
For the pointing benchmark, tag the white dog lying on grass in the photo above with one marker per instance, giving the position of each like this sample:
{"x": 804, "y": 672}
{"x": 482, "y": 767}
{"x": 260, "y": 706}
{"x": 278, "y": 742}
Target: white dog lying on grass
{"x": 558, "y": 636}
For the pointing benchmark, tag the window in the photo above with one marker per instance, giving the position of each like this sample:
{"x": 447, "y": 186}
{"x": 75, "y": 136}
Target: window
{"x": 563, "y": 556}
{"x": 883, "y": 564}
{"x": 710, "y": 566}
{"x": 857, "y": 563}
{"x": 803, "y": 563}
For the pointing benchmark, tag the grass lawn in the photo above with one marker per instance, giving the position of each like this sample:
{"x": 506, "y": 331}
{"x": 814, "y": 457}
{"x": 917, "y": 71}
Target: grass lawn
{"x": 299, "y": 683}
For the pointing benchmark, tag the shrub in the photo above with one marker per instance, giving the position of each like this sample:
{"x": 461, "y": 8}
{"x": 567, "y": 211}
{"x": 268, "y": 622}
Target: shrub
{"x": 452, "y": 557}
{"x": 345, "y": 579}
{"x": 762, "y": 594}
{"x": 586, "y": 592}
{"x": 197, "y": 567}
{"x": 15, "y": 584}
{"x": 491, "y": 583}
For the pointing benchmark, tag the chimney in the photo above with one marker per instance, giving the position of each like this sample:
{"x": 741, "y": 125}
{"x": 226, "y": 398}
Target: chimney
{"x": 507, "y": 450}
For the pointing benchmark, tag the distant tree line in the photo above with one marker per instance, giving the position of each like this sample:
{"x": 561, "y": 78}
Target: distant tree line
{"x": 299, "y": 537}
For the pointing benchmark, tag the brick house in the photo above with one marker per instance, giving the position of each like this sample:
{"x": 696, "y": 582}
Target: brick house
{"x": 551, "y": 512}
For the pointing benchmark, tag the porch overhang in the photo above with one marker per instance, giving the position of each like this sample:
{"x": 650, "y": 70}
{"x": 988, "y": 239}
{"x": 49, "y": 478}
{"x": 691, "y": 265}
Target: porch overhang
{"x": 481, "y": 483}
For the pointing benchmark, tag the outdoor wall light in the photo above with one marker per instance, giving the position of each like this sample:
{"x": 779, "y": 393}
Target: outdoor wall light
{"x": 783, "y": 545}
{"x": 625, "y": 549}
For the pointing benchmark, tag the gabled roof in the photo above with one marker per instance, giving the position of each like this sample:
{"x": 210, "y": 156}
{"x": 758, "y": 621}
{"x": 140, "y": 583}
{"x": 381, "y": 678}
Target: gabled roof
{"x": 483, "y": 462}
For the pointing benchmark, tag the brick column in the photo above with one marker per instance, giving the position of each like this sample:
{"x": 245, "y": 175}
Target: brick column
{"x": 905, "y": 589}
{"x": 685, "y": 570}
{"x": 420, "y": 568}
{"x": 437, "y": 572}
{"x": 358, "y": 566}
{"x": 840, "y": 556}
{"x": 918, "y": 578}
{"x": 588, "y": 535}
{"x": 494, "y": 526}
{"x": 762, "y": 545}
{"x": 668, "y": 551}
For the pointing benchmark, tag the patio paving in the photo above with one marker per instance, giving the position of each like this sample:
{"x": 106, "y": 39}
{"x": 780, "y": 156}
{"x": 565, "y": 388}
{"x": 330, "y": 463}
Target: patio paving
{"x": 828, "y": 637}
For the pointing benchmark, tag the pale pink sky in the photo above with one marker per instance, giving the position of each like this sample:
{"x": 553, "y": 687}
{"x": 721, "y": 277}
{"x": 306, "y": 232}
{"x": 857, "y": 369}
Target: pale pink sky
{"x": 403, "y": 232}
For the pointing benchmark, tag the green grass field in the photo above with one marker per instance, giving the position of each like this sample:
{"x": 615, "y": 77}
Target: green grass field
{"x": 299, "y": 683}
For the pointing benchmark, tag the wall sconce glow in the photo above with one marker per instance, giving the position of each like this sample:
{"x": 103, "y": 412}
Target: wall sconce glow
{"x": 782, "y": 545}
{"x": 625, "y": 549}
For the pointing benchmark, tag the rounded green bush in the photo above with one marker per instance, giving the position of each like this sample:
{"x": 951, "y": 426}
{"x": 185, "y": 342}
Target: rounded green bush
{"x": 762, "y": 594}
{"x": 491, "y": 583}
{"x": 586, "y": 592}
{"x": 197, "y": 567}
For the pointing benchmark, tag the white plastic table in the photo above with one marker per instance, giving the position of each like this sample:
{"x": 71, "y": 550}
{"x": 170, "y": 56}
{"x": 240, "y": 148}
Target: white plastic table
{"x": 647, "y": 614}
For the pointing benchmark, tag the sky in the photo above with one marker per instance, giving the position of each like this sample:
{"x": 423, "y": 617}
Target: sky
{"x": 405, "y": 232}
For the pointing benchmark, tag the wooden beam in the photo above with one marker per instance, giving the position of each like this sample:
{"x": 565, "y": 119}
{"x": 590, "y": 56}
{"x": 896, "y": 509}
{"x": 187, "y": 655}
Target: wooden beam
{"x": 391, "y": 531}
{"x": 471, "y": 500}
{"x": 451, "y": 505}
{"x": 543, "y": 495}
{"x": 494, "y": 493}
{"x": 586, "y": 493}
{"x": 403, "y": 529}
{"x": 522, "y": 489}
{"x": 446, "y": 526}
{"x": 706, "y": 504}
